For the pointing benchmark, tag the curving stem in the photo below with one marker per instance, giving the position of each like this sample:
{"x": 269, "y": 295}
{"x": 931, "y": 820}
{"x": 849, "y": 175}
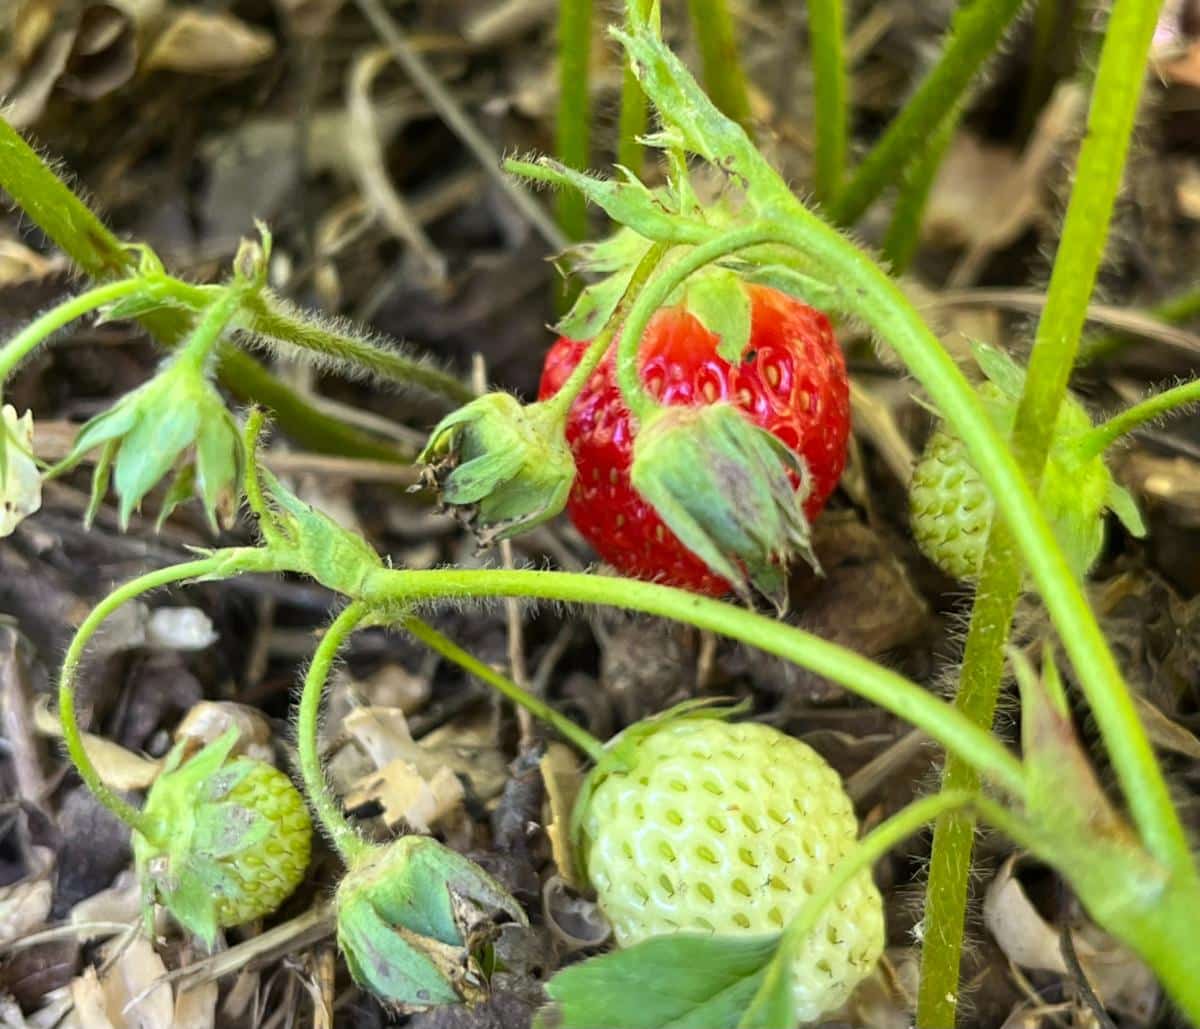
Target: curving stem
{"x": 73, "y": 738}
{"x": 350, "y": 845}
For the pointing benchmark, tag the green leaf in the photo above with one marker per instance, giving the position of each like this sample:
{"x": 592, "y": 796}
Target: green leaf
{"x": 718, "y": 299}
{"x": 682, "y": 981}
{"x": 629, "y": 203}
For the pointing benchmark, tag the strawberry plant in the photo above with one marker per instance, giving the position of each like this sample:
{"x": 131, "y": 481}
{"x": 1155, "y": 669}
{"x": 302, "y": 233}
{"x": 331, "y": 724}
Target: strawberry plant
{"x": 709, "y": 402}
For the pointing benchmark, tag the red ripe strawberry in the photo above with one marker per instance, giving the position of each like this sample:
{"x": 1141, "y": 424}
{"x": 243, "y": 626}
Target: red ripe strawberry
{"x": 791, "y": 381}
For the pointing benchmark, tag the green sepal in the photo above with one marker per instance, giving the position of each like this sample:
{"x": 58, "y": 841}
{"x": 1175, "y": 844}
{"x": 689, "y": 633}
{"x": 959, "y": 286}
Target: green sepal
{"x": 723, "y": 486}
{"x": 501, "y": 466}
{"x": 409, "y": 918}
{"x": 147, "y": 432}
{"x": 999, "y": 369}
{"x": 193, "y": 829}
{"x": 681, "y": 981}
{"x": 1121, "y": 503}
{"x": 398, "y": 966}
{"x": 309, "y": 541}
{"x": 181, "y": 490}
{"x": 719, "y": 301}
{"x": 805, "y": 288}
{"x": 629, "y": 202}
{"x": 614, "y": 259}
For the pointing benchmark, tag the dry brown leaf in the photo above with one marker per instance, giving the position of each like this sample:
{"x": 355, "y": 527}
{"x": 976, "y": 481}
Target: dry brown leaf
{"x": 19, "y": 264}
{"x": 308, "y": 17}
{"x": 24, "y": 907}
{"x": 208, "y": 43}
{"x": 406, "y": 796}
{"x": 1026, "y": 938}
{"x": 1164, "y": 732}
{"x": 563, "y": 777}
{"x": 119, "y": 768}
{"x": 132, "y": 992}
{"x": 196, "y": 1008}
{"x": 121, "y": 902}
{"x": 393, "y": 685}
{"x": 209, "y": 720}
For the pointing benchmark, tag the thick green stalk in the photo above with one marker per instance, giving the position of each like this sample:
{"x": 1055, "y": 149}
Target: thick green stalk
{"x": 68, "y": 718}
{"x": 944, "y": 919}
{"x": 26, "y": 341}
{"x": 978, "y": 28}
{"x": 904, "y": 232}
{"x": 350, "y": 845}
{"x": 723, "y": 75}
{"x": 451, "y": 651}
{"x": 826, "y": 45}
{"x": 1098, "y": 176}
{"x": 574, "y": 107}
{"x": 633, "y": 118}
{"x": 1107, "y": 433}
{"x": 384, "y": 588}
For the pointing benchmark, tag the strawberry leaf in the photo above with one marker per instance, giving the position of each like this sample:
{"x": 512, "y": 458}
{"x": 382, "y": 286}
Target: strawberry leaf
{"x": 683, "y": 981}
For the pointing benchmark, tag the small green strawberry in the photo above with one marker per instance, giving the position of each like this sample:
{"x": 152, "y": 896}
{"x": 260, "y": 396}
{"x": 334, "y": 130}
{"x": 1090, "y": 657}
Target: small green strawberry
{"x": 951, "y": 509}
{"x": 694, "y": 824}
{"x": 228, "y": 841}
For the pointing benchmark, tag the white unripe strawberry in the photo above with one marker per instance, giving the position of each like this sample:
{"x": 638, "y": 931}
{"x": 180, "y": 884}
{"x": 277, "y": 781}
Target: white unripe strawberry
{"x": 708, "y": 826}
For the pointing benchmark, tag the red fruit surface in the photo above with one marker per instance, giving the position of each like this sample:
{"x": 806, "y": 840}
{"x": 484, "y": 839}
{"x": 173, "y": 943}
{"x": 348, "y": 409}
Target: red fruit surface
{"x": 791, "y": 382}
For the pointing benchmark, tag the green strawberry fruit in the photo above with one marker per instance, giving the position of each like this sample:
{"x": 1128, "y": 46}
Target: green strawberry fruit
{"x": 951, "y": 509}
{"x": 227, "y": 841}
{"x": 699, "y": 825}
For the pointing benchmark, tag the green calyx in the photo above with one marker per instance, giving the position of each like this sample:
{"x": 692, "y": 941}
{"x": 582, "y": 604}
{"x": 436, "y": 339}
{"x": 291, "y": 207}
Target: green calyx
{"x": 502, "y": 466}
{"x": 952, "y": 511}
{"x": 724, "y": 487}
{"x": 176, "y": 420}
{"x": 411, "y": 918}
{"x": 227, "y": 841}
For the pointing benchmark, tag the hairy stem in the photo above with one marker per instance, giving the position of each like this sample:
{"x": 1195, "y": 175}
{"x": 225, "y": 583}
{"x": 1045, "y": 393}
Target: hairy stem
{"x": 906, "y": 699}
{"x": 451, "y": 651}
{"x": 904, "y": 232}
{"x": 978, "y": 28}
{"x": 996, "y": 596}
{"x": 1098, "y": 176}
{"x": 350, "y": 845}
{"x": 1107, "y": 433}
{"x": 70, "y": 671}
{"x": 574, "y": 107}
{"x": 826, "y": 43}
{"x": 723, "y": 75}
{"x": 26, "y": 341}
{"x": 655, "y": 295}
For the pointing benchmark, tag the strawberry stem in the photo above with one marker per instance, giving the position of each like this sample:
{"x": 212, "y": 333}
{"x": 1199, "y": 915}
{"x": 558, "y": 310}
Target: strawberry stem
{"x": 387, "y": 587}
{"x": 40, "y": 329}
{"x": 349, "y": 843}
{"x": 72, "y": 736}
{"x": 1104, "y": 435}
{"x": 655, "y": 295}
{"x": 560, "y": 404}
{"x": 826, "y": 44}
{"x": 450, "y": 650}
